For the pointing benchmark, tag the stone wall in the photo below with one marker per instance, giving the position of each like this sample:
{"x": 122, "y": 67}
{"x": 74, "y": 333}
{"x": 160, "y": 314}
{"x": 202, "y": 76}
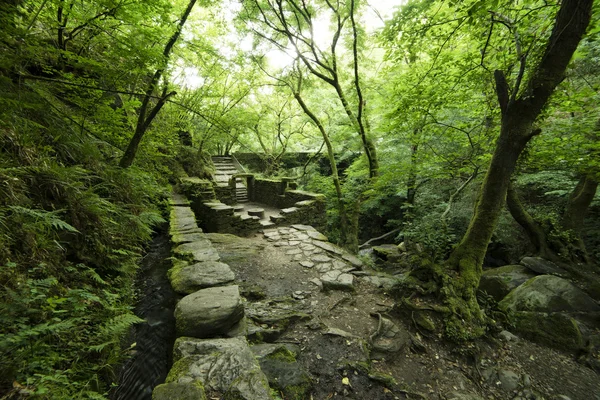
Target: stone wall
{"x": 217, "y": 217}
{"x": 298, "y": 207}
{"x": 196, "y": 189}
{"x": 256, "y": 162}
{"x": 225, "y": 194}
{"x": 267, "y": 191}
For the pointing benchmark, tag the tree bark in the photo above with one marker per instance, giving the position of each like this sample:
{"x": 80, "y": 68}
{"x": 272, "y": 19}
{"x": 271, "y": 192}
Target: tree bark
{"x": 532, "y": 229}
{"x": 144, "y": 120}
{"x": 518, "y": 115}
{"x": 344, "y": 222}
{"x": 578, "y": 203}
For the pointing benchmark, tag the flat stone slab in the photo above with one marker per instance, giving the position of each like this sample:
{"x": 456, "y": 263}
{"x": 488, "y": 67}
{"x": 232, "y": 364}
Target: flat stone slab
{"x": 187, "y": 279}
{"x": 290, "y": 210}
{"x": 307, "y": 264}
{"x": 266, "y": 223}
{"x": 301, "y": 227}
{"x": 181, "y": 219}
{"x": 192, "y": 235}
{"x": 329, "y": 247}
{"x": 226, "y": 367}
{"x": 316, "y": 235}
{"x": 257, "y": 212}
{"x": 198, "y": 251}
{"x": 337, "y": 280}
{"x": 276, "y": 218}
{"x": 209, "y": 312}
{"x": 178, "y": 200}
{"x": 325, "y": 267}
{"x": 320, "y": 258}
{"x": 352, "y": 259}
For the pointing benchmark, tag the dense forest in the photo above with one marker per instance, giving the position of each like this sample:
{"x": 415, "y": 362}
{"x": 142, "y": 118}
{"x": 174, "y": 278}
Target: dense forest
{"x": 469, "y": 130}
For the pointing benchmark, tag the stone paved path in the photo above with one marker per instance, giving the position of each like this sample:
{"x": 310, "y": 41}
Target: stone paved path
{"x": 311, "y": 250}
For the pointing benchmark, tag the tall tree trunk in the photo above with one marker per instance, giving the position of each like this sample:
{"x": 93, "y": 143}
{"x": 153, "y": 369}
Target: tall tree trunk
{"x": 411, "y": 181}
{"x": 344, "y": 220}
{"x": 578, "y": 203}
{"x": 518, "y": 116}
{"x": 532, "y": 229}
{"x": 572, "y": 249}
{"x": 574, "y": 214}
{"x": 145, "y": 118}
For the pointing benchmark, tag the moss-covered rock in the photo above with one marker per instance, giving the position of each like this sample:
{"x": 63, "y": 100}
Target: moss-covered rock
{"x": 198, "y": 251}
{"x": 179, "y": 391}
{"x": 187, "y": 279}
{"x": 209, "y": 312}
{"x": 555, "y": 330}
{"x": 548, "y": 293}
{"x": 278, "y": 362}
{"x": 498, "y": 282}
{"x": 223, "y": 366}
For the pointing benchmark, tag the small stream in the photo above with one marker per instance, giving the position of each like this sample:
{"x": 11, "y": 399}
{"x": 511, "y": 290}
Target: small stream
{"x": 152, "y": 358}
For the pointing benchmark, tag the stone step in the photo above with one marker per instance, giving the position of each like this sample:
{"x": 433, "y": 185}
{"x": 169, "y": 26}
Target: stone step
{"x": 287, "y": 211}
{"x": 257, "y": 212}
{"x": 209, "y": 312}
{"x": 188, "y": 278}
{"x": 276, "y": 218}
{"x": 266, "y": 224}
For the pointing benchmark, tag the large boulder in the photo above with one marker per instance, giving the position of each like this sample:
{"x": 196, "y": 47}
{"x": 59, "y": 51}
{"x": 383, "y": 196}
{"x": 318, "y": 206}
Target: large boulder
{"x": 387, "y": 253}
{"x": 209, "y": 312}
{"x": 224, "y": 367}
{"x": 187, "y": 279}
{"x": 542, "y": 266}
{"x": 556, "y": 330}
{"x": 498, "y": 282}
{"x": 548, "y": 293}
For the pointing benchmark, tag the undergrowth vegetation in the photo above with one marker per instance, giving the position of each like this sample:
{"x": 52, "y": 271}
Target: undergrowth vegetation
{"x": 72, "y": 228}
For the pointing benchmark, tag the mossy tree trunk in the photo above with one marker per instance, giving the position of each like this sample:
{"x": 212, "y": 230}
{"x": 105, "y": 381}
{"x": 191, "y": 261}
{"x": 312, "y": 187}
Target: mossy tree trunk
{"x": 571, "y": 247}
{"x": 532, "y": 229}
{"x": 519, "y": 112}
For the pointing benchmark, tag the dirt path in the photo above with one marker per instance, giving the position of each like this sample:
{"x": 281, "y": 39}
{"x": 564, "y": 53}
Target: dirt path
{"x": 304, "y": 291}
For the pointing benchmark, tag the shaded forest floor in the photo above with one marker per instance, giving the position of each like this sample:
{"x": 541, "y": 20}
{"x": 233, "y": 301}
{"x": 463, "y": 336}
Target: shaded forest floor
{"x": 354, "y": 345}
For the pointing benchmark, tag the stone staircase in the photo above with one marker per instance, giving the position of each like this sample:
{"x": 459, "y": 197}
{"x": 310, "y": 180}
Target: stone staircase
{"x": 224, "y": 170}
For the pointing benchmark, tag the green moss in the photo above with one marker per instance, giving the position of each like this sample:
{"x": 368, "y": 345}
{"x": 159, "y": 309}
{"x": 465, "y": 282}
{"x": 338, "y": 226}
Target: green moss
{"x": 282, "y": 354}
{"x": 179, "y": 369}
{"x": 179, "y": 391}
{"x": 385, "y": 379}
{"x": 297, "y": 392}
{"x": 555, "y": 330}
